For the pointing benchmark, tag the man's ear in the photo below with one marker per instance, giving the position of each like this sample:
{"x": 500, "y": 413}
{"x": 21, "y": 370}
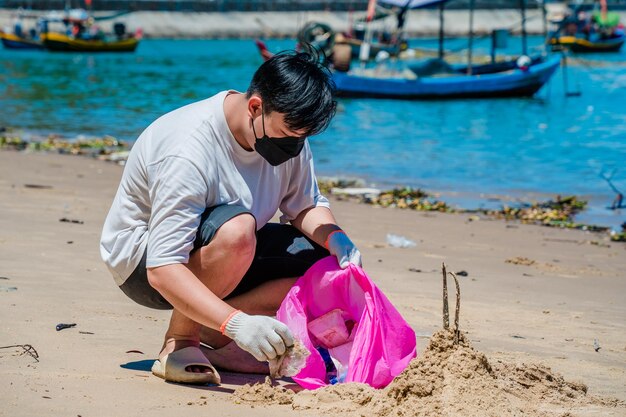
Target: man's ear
{"x": 255, "y": 106}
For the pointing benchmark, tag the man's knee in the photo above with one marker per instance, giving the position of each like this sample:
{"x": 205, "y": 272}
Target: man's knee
{"x": 238, "y": 236}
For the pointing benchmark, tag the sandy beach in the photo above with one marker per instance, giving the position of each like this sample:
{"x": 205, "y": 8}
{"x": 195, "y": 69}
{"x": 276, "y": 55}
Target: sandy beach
{"x": 549, "y": 312}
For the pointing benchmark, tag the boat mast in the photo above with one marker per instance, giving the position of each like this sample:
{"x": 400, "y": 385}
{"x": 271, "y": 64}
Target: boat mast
{"x": 441, "y": 6}
{"x": 364, "y": 51}
{"x": 523, "y": 10}
{"x": 471, "y": 38}
{"x": 544, "y": 16}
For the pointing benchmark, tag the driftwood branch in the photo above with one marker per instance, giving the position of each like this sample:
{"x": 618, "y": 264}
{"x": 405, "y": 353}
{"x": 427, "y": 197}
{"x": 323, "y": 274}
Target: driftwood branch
{"x": 446, "y": 312}
{"x": 457, "y": 310}
{"x": 28, "y": 349}
{"x": 608, "y": 179}
{"x": 619, "y": 199}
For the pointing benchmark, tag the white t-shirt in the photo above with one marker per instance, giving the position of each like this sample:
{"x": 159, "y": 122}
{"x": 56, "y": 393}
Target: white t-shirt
{"x": 184, "y": 162}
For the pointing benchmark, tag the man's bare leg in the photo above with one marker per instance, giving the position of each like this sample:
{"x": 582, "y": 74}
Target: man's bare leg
{"x": 220, "y": 266}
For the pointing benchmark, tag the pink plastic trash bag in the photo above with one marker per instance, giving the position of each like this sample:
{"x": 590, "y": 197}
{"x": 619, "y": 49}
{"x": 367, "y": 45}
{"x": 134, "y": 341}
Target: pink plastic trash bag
{"x": 381, "y": 343}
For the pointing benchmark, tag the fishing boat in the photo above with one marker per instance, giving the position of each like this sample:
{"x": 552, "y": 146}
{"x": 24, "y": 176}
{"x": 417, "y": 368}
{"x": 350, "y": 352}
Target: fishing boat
{"x": 582, "y": 45}
{"x": 82, "y": 34}
{"x": 436, "y": 79}
{"x": 584, "y": 30}
{"x": 21, "y": 38}
{"x": 323, "y": 37}
{"x": 517, "y": 82}
{"x": 73, "y": 30}
{"x": 67, "y": 43}
{"x": 13, "y": 41}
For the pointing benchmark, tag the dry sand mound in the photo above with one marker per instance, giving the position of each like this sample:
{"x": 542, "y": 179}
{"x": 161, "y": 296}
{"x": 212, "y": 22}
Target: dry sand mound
{"x": 449, "y": 380}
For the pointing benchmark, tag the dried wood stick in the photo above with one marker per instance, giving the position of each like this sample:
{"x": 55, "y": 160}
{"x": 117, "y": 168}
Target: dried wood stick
{"x": 457, "y": 309}
{"x": 28, "y": 349}
{"x": 446, "y": 312}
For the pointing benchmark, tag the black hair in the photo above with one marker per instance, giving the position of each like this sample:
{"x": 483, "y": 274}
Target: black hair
{"x": 298, "y": 85}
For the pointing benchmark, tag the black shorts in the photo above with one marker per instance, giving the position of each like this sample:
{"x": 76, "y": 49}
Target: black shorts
{"x": 282, "y": 251}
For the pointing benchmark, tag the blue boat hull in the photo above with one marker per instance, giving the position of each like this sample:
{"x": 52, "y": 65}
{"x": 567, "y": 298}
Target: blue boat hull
{"x": 512, "y": 83}
{"x": 21, "y": 44}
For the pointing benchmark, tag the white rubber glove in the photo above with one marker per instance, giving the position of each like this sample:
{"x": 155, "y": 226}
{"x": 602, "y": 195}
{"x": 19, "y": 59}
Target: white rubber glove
{"x": 263, "y": 337}
{"x": 340, "y": 245}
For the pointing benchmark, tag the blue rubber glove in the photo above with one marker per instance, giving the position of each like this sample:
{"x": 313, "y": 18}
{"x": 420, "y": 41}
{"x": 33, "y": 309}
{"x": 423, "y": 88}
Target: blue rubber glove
{"x": 340, "y": 245}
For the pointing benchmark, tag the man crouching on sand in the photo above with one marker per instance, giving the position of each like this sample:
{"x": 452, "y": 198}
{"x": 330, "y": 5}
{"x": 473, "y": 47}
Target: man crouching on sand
{"x": 188, "y": 229}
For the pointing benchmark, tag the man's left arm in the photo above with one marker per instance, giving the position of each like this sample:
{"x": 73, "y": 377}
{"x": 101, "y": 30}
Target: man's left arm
{"x": 308, "y": 211}
{"x": 319, "y": 224}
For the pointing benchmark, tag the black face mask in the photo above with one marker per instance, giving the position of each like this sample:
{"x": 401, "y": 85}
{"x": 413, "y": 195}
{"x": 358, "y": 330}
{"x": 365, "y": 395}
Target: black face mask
{"x": 277, "y": 150}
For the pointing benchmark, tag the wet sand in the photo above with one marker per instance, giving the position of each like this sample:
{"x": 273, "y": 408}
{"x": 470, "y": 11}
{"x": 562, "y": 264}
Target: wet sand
{"x": 548, "y": 312}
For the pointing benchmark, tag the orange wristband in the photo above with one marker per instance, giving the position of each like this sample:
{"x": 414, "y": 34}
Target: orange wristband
{"x": 230, "y": 316}
{"x": 330, "y": 234}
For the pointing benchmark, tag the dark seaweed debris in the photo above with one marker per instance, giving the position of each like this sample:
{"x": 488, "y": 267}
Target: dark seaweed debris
{"x": 53, "y": 143}
{"x": 404, "y": 198}
{"x": 559, "y": 212}
{"x": 414, "y": 199}
{"x": 555, "y": 213}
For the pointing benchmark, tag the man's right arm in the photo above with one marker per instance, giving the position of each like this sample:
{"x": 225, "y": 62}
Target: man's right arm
{"x": 263, "y": 337}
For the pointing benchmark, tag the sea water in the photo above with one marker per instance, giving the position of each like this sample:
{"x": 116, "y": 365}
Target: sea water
{"x": 474, "y": 153}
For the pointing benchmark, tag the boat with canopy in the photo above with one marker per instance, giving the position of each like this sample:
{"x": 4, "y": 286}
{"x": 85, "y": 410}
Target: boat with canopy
{"x": 71, "y": 30}
{"x": 437, "y": 79}
{"x": 586, "y": 29}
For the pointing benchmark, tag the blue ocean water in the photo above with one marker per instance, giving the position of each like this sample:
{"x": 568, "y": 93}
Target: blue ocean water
{"x": 473, "y": 152}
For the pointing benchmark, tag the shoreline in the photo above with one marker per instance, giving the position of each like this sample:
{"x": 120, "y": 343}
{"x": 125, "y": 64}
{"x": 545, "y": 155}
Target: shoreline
{"x": 597, "y": 214}
{"x": 549, "y": 211}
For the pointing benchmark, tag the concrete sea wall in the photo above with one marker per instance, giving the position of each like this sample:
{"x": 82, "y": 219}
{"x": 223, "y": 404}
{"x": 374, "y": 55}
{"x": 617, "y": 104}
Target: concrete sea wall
{"x": 286, "y": 24}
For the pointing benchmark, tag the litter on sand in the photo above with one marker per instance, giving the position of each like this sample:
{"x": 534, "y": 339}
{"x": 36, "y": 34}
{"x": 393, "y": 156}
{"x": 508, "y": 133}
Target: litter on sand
{"x": 398, "y": 241}
{"x": 66, "y": 220}
{"x": 38, "y": 186}
{"x": 289, "y": 363}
